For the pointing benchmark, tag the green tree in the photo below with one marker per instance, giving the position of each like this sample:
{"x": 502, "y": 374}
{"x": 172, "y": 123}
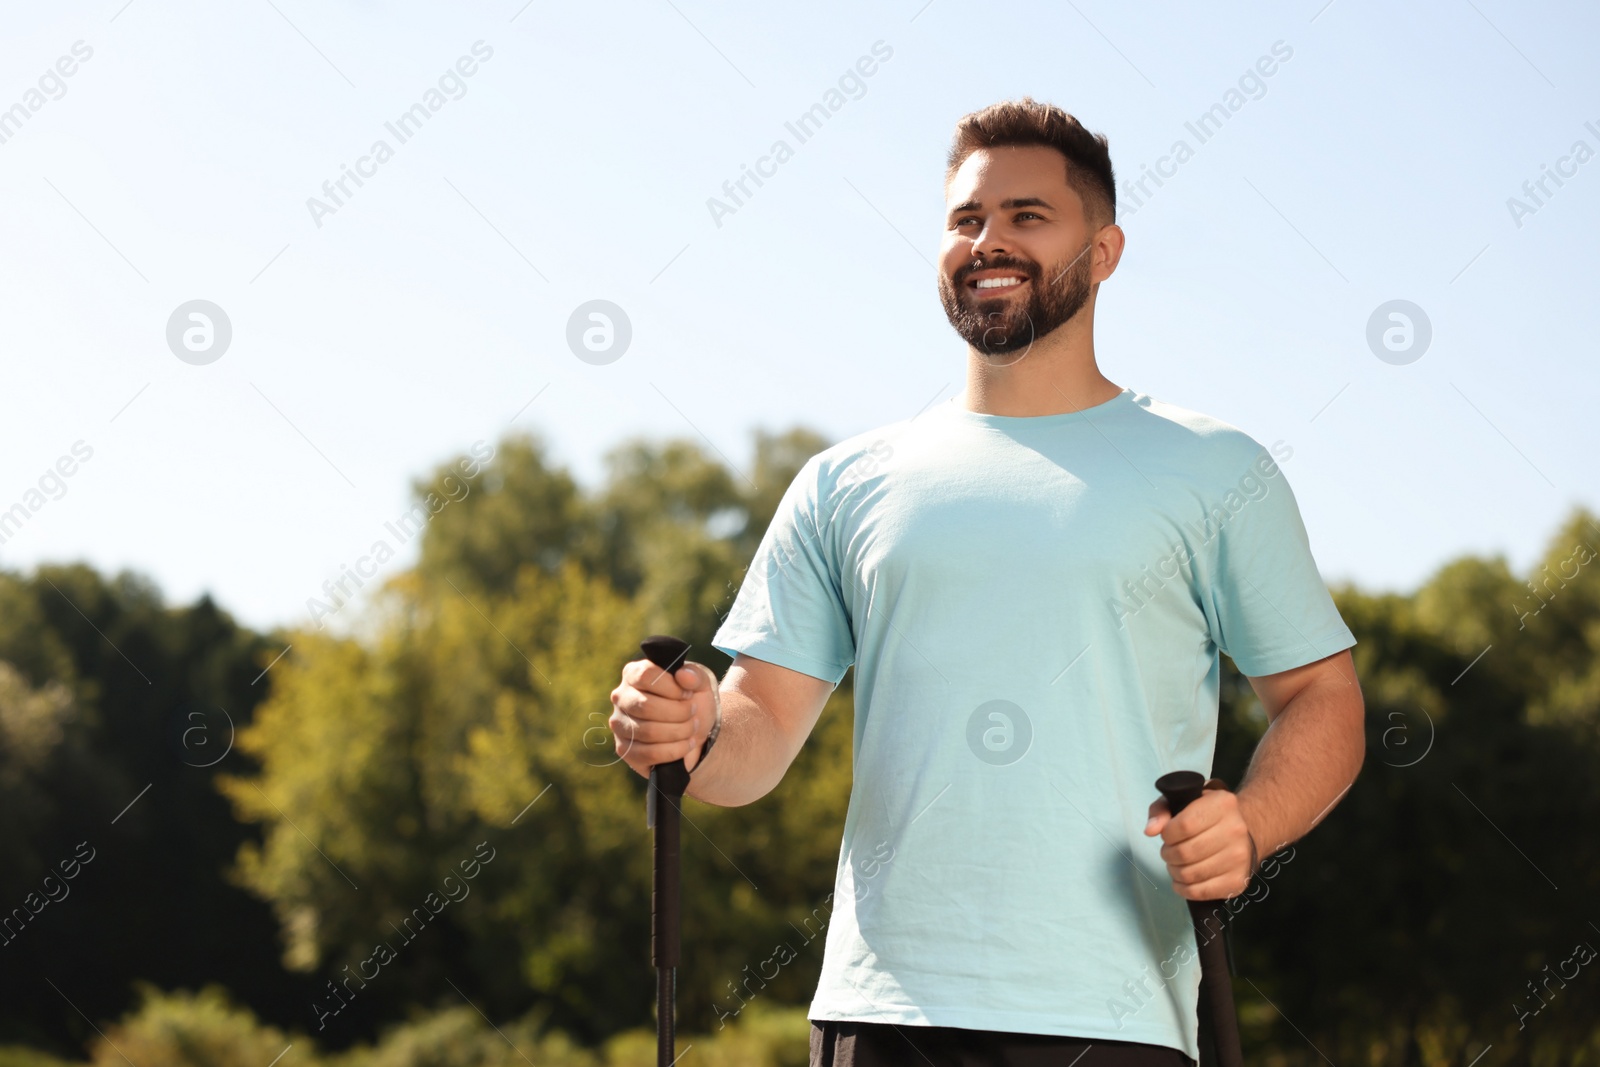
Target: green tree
{"x": 116, "y": 712}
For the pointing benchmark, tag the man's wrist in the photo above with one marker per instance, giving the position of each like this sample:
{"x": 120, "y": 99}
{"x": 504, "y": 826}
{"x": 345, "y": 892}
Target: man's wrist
{"x": 716, "y": 726}
{"x": 1246, "y": 816}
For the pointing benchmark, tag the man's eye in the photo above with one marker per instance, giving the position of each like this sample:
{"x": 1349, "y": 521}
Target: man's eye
{"x": 964, "y": 221}
{"x": 1025, "y": 214}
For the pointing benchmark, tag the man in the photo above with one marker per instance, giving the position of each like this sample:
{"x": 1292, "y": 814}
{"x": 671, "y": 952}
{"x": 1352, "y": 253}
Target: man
{"x": 1033, "y": 581}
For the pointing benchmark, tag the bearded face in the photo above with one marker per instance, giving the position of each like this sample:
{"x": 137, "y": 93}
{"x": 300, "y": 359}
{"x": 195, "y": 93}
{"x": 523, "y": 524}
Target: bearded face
{"x": 1001, "y": 304}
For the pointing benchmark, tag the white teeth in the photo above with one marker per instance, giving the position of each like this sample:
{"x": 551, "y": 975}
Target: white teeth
{"x": 995, "y": 283}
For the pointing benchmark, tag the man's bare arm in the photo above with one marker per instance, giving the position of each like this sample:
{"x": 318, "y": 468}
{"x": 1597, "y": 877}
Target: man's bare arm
{"x": 768, "y": 711}
{"x": 1311, "y": 753}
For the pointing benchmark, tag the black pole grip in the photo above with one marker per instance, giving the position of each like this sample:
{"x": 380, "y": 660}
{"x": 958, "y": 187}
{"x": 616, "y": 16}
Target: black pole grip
{"x": 667, "y": 783}
{"x": 1182, "y": 788}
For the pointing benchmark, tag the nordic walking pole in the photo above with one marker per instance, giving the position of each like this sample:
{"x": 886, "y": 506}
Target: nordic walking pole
{"x": 1180, "y": 788}
{"x": 667, "y": 782}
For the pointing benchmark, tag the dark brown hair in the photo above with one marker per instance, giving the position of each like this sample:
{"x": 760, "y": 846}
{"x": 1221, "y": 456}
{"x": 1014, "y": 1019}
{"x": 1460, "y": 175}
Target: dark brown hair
{"x": 1028, "y": 122}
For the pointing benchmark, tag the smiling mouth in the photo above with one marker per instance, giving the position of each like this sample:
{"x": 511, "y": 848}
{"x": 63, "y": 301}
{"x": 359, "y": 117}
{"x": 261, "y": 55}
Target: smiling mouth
{"x": 997, "y": 284}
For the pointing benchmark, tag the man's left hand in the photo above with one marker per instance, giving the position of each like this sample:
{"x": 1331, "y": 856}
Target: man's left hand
{"x": 1207, "y": 848}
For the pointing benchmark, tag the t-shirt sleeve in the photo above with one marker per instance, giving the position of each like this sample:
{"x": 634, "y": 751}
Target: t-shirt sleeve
{"x": 1270, "y": 610}
{"x": 789, "y": 609}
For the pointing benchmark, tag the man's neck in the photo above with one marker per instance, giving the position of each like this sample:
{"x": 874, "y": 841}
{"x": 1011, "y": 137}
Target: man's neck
{"x": 1057, "y": 375}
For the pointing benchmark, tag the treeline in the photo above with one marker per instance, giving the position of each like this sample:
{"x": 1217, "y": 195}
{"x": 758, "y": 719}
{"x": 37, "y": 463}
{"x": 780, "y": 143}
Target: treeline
{"x": 369, "y": 848}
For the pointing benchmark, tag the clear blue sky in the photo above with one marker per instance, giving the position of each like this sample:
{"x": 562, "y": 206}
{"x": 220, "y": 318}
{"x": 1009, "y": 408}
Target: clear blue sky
{"x": 575, "y": 163}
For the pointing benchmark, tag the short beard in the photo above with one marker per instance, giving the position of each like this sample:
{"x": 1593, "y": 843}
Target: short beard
{"x": 996, "y": 326}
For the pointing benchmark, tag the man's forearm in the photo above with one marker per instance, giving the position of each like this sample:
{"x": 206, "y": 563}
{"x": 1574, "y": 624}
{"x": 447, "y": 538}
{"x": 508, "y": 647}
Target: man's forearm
{"x": 1304, "y": 763}
{"x": 748, "y": 760}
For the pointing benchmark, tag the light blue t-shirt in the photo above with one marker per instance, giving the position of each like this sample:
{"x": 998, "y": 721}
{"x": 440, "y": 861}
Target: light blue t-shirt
{"x": 1034, "y": 606}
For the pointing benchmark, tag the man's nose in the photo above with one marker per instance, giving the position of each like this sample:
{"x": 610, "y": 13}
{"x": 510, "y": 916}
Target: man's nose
{"x": 989, "y": 242}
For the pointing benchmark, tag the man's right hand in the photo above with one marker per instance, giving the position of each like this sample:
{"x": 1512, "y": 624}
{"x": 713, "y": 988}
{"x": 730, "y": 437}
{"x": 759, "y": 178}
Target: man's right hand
{"x": 659, "y": 717}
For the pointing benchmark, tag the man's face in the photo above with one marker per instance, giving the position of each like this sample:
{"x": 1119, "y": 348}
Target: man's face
{"x": 1015, "y": 262}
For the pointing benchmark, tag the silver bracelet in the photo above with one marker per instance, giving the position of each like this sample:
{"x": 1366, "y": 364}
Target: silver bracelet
{"x": 716, "y": 725}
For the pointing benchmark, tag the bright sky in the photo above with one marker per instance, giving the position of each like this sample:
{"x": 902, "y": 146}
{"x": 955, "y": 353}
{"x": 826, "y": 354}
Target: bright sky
{"x": 429, "y": 308}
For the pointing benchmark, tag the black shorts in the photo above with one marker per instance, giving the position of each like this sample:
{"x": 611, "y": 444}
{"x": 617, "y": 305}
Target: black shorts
{"x": 860, "y": 1044}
